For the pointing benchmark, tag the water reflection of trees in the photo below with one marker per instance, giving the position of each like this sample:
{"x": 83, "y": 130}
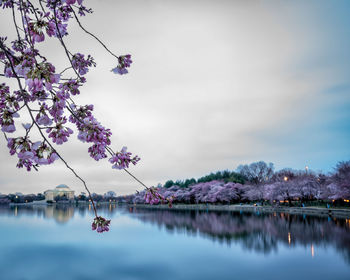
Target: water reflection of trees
{"x": 255, "y": 231}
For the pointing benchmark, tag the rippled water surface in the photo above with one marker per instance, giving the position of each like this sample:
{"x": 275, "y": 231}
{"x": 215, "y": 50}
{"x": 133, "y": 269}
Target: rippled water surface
{"x": 56, "y": 242}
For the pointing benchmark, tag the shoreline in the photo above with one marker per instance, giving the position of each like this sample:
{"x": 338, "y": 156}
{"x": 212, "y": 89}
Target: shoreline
{"x": 311, "y": 211}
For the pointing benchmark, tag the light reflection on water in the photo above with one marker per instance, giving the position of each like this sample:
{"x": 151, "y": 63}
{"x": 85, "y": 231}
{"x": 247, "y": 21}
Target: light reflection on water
{"x": 56, "y": 241}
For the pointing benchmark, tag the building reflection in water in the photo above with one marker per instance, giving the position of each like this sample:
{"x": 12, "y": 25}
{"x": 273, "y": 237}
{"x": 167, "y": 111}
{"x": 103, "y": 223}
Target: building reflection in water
{"x": 61, "y": 213}
{"x": 289, "y": 238}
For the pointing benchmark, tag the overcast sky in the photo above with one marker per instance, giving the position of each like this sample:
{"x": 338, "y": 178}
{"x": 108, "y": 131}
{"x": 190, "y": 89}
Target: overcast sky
{"x": 214, "y": 84}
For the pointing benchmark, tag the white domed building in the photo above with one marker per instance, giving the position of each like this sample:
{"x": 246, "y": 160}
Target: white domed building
{"x": 60, "y": 190}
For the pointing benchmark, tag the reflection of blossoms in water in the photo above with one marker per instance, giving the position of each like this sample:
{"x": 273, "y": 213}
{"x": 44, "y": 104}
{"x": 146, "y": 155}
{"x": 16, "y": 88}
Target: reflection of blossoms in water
{"x": 254, "y": 231}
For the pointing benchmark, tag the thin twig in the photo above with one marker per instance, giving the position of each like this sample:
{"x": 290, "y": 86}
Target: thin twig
{"x": 88, "y": 32}
{"x": 41, "y": 5}
{"x": 136, "y": 178}
{"x": 65, "y": 70}
{"x": 24, "y": 29}
{"x": 61, "y": 40}
{"x": 14, "y": 21}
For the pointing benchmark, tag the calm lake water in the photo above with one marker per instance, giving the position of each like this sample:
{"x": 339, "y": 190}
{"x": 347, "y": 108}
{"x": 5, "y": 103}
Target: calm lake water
{"x": 56, "y": 242}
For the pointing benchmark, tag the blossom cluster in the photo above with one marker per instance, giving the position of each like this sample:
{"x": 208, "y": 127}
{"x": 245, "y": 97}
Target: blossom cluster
{"x": 122, "y": 159}
{"x": 31, "y": 154}
{"x": 81, "y": 64}
{"x": 100, "y": 224}
{"x": 59, "y": 133}
{"x": 153, "y": 196}
{"x": 124, "y": 62}
{"x": 9, "y": 105}
{"x": 90, "y": 130}
{"x": 53, "y": 22}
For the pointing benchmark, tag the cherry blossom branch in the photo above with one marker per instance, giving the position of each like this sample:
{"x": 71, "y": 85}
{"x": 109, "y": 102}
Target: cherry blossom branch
{"x": 66, "y": 164}
{"x": 41, "y": 133}
{"x": 51, "y": 93}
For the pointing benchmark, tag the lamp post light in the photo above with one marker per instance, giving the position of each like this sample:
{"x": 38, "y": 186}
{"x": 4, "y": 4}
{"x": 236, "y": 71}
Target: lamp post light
{"x": 285, "y": 178}
{"x": 306, "y": 169}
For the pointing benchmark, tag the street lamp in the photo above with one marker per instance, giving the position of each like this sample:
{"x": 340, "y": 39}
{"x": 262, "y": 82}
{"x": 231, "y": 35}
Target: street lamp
{"x": 306, "y": 168}
{"x": 285, "y": 178}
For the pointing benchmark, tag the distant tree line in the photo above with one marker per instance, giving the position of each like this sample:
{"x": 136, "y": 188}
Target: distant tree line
{"x": 258, "y": 183}
{"x": 109, "y": 196}
{"x": 226, "y": 176}
{"x": 20, "y": 198}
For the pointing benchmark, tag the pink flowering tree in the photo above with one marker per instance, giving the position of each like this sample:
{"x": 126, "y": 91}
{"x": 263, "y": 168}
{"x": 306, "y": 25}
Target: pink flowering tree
{"x": 46, "y": 94}
{"x": 254, "y": 193}
{"x": 341, "y": 178}
{"x": 332, "y": 191}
